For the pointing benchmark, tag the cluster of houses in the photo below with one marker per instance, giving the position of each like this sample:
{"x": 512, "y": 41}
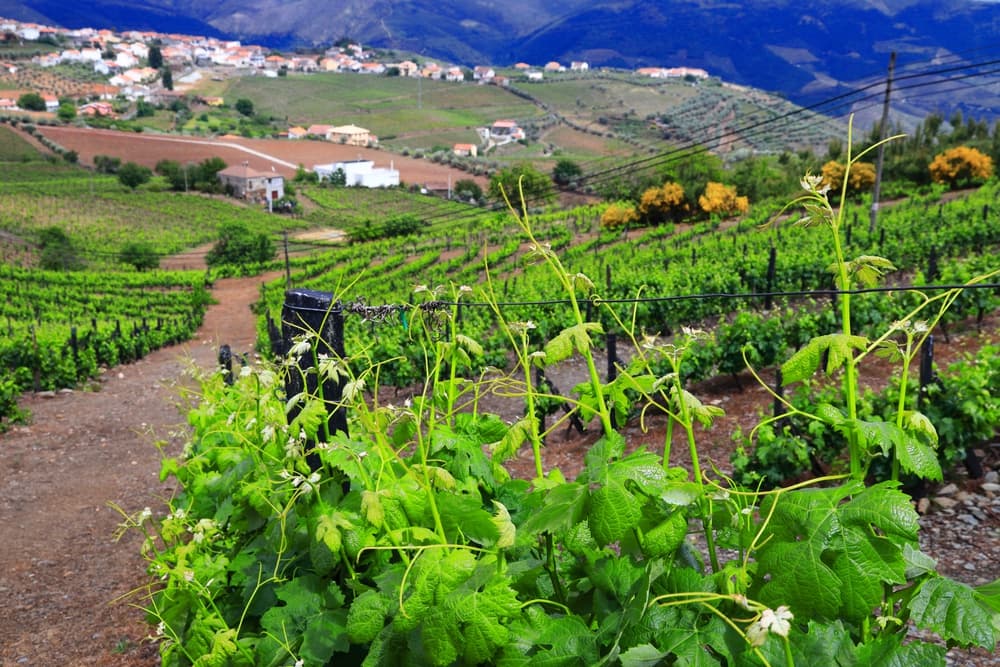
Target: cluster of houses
{"x": 123, "y": 58}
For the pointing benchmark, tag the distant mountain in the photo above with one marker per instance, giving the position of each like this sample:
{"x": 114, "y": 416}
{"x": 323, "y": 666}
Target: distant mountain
{"x": 808, "y": 52}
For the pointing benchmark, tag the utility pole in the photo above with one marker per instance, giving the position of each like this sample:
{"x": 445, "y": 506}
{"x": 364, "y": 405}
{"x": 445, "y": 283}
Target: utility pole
{"x": 288, "y": 265}
{"x": 881, "y": 147}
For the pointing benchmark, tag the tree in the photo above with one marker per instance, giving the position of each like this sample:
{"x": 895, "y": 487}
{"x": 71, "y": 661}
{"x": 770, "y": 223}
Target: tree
{"x": 177, "y": 175}
{"x": 66, "y": 112}
{"x": 241, "y": 246}
{"x": 467, "y": 189}
{"x": 209, "y": 168}
{"x": 57, "y": 251}
{"x": 244, "y": 106}
{"x": 167, "y": 78}
{"x": 512, "y": 182}
{"x": 144, "y": 109}
{"x": 31, "y": 102}
{"x": 155, "y": 57}
{"x": 722, "y": 199}
{"x": 566, "y": 171}
{"x": 862, "y": 176}
{"x": 139, "y": 254}
{"x": 619, "y": 214}
{"x": 105, "y": 164}
{"x": 961, "y": 165}
{"x": 338, "y": 178}
{"x": 663, "y": 204}
{"x": 693, "y": 171}
{"x": 760, "y": 178}
{"x": 132, "y": 175}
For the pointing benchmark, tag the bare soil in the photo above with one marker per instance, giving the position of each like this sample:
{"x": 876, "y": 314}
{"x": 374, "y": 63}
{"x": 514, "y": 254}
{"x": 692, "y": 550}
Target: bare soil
{"x": 64, "y": 579}
{"x": 62, "y": 574}
{"x": 282, "y": 155}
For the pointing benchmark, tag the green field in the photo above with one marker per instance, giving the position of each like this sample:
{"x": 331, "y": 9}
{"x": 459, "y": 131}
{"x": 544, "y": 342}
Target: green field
{"x": 100, "y": 215}
{"x": 385, "y": 105}
{"x": 13, "y": 148}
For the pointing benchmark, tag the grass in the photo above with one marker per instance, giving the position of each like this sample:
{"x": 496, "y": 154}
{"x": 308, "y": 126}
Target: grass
{"x": 100, "y": 215}
{"x": 385, "y": 105}
{"x": 13, "y": 148}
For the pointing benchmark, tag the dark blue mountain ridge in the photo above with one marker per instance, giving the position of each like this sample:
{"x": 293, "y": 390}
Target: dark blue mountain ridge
{"x": 807, "y": 52}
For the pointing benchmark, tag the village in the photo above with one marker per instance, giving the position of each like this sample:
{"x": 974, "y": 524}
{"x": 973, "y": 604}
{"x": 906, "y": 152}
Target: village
{"x": 157, "y": 68}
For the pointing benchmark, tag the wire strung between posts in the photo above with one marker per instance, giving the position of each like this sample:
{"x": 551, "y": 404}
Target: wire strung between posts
{"x": 389, "y": 310}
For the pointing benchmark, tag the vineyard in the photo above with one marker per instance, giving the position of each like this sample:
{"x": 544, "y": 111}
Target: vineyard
{"x": 323, "y": 521}
{"x": 653, "y": 278}
{"x": 101, "y": 215}
{"x": 61, "y": 328}
{"x": 351, "y": 500}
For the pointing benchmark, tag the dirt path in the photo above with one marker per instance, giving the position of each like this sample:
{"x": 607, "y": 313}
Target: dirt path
{"x": 61, "y": 570}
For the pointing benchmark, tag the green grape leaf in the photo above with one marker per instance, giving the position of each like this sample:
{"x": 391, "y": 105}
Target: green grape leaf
{"x": 950, "y": 608}
{"x": 463, "y": 514}
{"x": 867, "y": 269}
{"x": 806, "y": 361}
{"x": 614, "y": 511}
{"x": 571, "y": 339}
{"x": 562, "y": 507}
{"x": 367, "y": 616}
{"x": 372, "y": 509}
{"x": 644, "y": 655}
{"x": 505, "y": 527}
{"x": 325, "y": 634}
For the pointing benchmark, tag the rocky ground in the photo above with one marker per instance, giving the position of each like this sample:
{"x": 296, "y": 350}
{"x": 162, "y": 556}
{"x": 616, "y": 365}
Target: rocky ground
{"x": 65, "y": 580}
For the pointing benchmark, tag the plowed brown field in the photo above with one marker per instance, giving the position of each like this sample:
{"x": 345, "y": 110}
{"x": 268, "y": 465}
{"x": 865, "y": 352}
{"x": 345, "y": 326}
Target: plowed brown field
{"x": 282, "y": 155}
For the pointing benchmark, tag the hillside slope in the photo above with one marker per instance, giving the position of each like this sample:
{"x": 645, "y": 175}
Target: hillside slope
{"x": 805, "y": 52}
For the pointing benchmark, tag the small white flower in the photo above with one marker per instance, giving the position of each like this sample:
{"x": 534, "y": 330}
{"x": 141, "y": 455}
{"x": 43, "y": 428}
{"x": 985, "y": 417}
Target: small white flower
{"x": 267, "y": 433}
{"x": 267, "y": 377}
{"x": 250, "y": 424}
{"x": 161, "y": 628}
{"x": 300, "y": 348}
{"x": 776, "y": 621}
{"x": 231, "y": 419}
{"x": 188, "y": 575}
{"x": 299, "y": 663}
{"x": 245, "y": 372}
{"x": 145, "y": 515}
{"x": 314, "y": 478}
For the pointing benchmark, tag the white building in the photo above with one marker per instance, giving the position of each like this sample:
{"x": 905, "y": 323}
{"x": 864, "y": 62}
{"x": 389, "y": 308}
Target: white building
{"x": 360, "y": 173}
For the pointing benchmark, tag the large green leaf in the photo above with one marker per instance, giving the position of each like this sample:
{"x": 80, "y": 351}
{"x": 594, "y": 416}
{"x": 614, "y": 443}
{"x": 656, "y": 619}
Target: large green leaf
{"x": 563, "y": 507}
{"x": 571, "y": 339}
{"x": 614, "y": 511}
{"x": 950, "y": 608}
{"x": 833, "y": 552}
{"x": 463, "y": 514}
{"x": 805, "y": 362}
{"x": 887, "y": 650}
{"x": 644, "y": 655}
